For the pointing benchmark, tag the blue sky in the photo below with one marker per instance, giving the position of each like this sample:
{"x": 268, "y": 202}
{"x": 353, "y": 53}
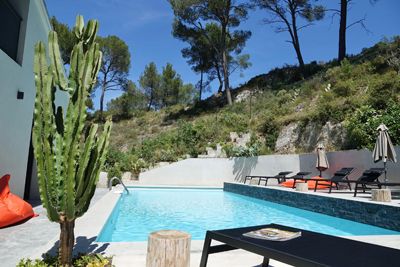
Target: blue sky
{"x": 145, "y": 25}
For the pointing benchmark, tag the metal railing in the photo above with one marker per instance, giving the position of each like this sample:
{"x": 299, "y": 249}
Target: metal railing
{"x": 120, "y": 181}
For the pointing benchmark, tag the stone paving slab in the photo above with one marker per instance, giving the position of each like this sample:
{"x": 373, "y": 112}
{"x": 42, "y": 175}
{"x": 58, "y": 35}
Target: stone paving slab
{"x": 20, "y": 240}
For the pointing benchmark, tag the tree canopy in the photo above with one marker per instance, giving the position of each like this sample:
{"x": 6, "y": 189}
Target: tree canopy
{"x": 115, "y": 66}
{"x": 285, "y": 14}
{"x": 220, "y": 16}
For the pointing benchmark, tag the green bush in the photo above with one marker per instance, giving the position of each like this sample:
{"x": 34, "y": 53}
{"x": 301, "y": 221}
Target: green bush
{"x": 188, "y": 138}
{"x": 383, "y": 89}
{"x": 361, "y": 127}
{"x": 82, "y": 260}
{"x": 116, "y": 157}
{"x": 270, "y": 129}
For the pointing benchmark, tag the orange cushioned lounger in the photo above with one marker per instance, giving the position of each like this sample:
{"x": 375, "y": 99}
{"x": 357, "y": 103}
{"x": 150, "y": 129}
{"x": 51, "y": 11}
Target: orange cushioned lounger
{"x": 12, "y": 208}
{"x": 311, "y": 184}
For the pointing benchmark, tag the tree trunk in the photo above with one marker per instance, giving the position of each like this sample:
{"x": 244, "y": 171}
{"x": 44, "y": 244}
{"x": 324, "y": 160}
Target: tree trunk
{"x": 342, "y": 30}
{"x": 67, "y": 241}
{"x": 224, "y": 32}
{"x": 221, "y": 83}
{"x": 295, "y": 41}
{"x": 150, "y": 102}
{"x": 226, "y": 78}
{"x": 201, "y": 85}
{"x": 103, "y": 91}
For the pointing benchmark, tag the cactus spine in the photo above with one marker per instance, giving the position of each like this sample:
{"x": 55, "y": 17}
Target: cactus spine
{"x": 69, "y": 154}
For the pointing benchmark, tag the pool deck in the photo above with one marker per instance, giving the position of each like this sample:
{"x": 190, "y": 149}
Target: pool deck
{"x": 38, "y": 235}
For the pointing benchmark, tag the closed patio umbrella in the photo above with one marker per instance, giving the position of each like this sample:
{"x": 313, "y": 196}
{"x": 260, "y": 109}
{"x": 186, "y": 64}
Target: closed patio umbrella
{"x": 322, "y": 160}
{"x": 384, "y": 149}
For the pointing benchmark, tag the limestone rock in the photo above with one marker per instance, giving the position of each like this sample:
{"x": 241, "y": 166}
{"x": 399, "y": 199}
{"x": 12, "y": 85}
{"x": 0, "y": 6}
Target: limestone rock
{"x": 234, "y": 136}
{"x": 287, "y": 139}
{"x": 215, "y": 153}
{"x": 243, "y": 140}
{"x": 306, "y": 137}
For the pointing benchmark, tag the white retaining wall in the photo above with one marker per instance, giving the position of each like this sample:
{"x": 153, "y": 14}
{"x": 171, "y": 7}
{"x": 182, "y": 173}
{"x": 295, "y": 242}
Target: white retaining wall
{"x": 215, "y": 171}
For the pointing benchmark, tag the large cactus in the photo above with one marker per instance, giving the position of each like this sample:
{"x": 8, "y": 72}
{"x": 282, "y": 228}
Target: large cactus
{"x": 69, "y": 154}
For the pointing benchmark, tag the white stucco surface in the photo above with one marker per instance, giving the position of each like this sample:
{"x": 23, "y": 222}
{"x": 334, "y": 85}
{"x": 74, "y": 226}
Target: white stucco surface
{"x": 16, "y": 115}
{"x": 215, "y": 171}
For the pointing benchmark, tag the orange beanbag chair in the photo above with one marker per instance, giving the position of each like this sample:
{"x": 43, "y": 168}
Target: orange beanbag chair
{"x": 12, "y": 208}
{"x": 311, "y": 184}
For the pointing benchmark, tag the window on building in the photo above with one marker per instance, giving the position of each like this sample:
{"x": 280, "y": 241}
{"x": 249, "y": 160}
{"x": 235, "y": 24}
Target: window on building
{"x": 10, "y": 23}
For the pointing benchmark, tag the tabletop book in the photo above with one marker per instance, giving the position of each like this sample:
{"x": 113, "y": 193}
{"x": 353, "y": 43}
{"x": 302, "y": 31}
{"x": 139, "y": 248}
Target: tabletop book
{"x": 272, "y": 234}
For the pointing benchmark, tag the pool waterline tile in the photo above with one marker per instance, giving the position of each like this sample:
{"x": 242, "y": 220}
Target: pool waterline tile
{"x": 367, "y": 212}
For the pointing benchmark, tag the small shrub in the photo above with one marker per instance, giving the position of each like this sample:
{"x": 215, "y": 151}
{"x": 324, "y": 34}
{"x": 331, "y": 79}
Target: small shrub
{"x": 82, "y": 260}
{"x": 248, "y": 151}
{"x": 270, "y": 129}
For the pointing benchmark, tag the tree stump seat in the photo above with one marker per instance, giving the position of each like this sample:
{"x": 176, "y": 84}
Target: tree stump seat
{"x": 168, "y": 248}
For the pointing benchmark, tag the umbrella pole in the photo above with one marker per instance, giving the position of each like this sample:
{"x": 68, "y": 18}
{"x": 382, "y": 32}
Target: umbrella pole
{"x": 384, "y": 166}
{"x": 320, "y": 173}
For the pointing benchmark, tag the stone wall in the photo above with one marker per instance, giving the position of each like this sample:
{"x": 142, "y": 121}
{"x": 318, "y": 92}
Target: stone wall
{"x": 385, "y": 216}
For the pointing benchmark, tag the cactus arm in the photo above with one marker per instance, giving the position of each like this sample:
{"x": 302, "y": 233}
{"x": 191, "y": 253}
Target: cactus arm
{"x": 76, "y": 125}
{"x": 76, "y": 58}
{"x": 79, "y": 26}
{"x": 96, "y": 162}
{"x": 90, "y": 32}
{"x": 87, "y": 149}
{"x": 55, "y": 59}
{"x": 39, "y": 139}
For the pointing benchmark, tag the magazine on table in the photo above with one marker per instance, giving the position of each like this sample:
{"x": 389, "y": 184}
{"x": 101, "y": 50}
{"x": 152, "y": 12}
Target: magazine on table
{"x": 272, "y": 234}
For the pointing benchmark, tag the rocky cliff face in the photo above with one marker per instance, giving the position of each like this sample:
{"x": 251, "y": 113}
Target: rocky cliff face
{"x": 296, "y": 137}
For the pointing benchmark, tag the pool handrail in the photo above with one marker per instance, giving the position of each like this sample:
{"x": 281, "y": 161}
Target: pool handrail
{"x": 120, "y": 181}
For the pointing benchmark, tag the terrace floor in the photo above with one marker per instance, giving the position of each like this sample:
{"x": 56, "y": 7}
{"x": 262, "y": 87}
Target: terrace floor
{"x": 38, "y": 235}
{"x": 20, "y": 241}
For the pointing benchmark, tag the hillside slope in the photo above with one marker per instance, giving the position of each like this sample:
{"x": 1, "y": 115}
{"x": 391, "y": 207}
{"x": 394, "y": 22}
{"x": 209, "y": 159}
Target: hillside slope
{"x": 283, "y": 112}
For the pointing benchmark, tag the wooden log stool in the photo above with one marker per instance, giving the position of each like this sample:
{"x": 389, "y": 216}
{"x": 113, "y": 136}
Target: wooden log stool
{"x": 381, "y": 195}
{"x": 168, "y": 248}
{"x": 302, "y": 187}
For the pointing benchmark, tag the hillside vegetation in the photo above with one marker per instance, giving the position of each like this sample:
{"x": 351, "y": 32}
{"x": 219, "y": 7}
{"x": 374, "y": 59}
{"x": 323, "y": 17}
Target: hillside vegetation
{"x": 360, "y": 93}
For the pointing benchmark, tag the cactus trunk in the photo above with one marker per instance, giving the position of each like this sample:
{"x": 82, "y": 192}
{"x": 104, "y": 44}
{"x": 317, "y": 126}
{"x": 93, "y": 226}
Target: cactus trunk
{"x": 69, "y": 153}
{"x": 67, "y": 240}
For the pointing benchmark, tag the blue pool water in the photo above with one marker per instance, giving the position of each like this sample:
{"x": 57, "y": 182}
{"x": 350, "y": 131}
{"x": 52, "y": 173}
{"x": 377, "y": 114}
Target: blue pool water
{"x": 146, "y": 210}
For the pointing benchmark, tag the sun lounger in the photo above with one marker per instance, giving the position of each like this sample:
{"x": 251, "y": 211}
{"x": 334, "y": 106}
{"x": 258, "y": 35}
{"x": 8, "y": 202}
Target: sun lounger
{"x": 369, "y": 178}
{"x": 310, "y": 249}
{"x": 340, "y": 176}
{"x": 280, "y": 177}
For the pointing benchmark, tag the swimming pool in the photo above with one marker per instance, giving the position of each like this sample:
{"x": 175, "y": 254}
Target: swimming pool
{"x": 194, "y": 211}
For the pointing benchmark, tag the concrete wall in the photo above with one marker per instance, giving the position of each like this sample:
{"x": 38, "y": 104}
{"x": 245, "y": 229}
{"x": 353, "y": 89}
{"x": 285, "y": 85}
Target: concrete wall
{"x": 214, "y": 171}
{"x": 16, "y": 115}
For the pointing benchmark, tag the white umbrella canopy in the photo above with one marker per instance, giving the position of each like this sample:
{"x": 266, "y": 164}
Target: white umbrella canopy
{"x": 384, "y": 149}
{"x": 322, "y": 160}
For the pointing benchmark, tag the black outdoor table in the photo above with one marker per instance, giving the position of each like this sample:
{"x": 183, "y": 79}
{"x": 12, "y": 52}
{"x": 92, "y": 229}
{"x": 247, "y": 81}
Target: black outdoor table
{"x": 311, "y": 249}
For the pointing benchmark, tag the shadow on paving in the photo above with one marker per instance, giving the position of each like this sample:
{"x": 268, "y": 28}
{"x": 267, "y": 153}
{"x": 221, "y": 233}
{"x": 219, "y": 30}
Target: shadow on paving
{"x": 83, "y": 245}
